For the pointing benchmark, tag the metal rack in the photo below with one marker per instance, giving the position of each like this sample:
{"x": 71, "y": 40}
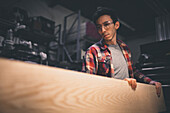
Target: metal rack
{"x": 64, "y": 37}
{"x": 29, "y": 36}
{"x": 154, "y": 62}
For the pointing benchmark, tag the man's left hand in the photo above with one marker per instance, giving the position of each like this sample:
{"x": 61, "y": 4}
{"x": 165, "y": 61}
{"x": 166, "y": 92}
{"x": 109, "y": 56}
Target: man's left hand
{"x": 158, "y": 86}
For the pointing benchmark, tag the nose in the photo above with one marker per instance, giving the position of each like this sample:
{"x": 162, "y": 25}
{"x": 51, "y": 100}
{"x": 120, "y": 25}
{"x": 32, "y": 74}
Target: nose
{"x": 103, "y": 29}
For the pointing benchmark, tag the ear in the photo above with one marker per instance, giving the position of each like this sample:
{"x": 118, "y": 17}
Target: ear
{"x": 117, "y": 25}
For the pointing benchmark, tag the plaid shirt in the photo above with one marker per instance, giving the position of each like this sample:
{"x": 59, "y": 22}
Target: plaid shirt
{"x": 98, "y": 61}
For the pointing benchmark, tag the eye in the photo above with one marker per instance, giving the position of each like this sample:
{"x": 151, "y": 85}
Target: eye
{"x": 106, "y": 24}
{"x": 98, "y": 27}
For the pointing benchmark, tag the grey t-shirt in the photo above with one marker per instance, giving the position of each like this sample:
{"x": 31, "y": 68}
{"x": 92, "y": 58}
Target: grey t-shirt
{"x": 119, "y": 62}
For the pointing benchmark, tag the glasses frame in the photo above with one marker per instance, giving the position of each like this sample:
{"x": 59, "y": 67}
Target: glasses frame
{"x": 105, "y": 24}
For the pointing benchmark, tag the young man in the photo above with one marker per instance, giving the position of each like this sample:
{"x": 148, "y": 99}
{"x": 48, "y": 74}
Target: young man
{"x": 110, "y": 56}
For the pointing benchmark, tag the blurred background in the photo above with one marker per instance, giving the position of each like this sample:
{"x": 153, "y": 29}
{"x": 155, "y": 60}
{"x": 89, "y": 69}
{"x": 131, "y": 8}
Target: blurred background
{"x": 58, "y": 32}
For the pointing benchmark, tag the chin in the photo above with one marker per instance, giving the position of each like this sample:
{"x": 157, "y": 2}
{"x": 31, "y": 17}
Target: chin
{"x": 107, "y": 38}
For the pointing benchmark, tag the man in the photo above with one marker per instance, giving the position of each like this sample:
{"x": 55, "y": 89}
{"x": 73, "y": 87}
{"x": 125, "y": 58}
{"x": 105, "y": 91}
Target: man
{"x": 110, "y": 56}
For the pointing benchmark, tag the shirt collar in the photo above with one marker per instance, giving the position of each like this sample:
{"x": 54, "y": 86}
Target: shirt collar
{"x": 104, "y": 45}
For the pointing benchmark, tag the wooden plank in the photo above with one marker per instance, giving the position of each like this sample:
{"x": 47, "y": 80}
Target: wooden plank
{"x": 33, "y": 88}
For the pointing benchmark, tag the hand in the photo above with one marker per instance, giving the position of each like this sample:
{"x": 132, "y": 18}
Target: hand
{"x": 158, "y": 86}
{"x": 132, "y": 82}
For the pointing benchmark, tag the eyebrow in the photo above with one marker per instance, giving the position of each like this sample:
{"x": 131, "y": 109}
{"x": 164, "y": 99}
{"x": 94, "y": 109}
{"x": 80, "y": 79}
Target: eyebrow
{"x": 103, "y": 23}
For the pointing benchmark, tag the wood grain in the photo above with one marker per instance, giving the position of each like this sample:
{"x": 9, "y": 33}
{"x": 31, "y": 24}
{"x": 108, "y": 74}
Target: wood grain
{"x": 33, "y": 88}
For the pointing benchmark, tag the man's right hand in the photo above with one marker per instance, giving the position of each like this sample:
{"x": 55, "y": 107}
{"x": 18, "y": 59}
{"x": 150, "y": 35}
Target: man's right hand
{"x": 132, "y": 82}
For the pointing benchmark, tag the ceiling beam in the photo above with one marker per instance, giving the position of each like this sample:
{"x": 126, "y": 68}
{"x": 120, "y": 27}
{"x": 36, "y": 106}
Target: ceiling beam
{"x": 52, "y": 3}
{"x": 157, "y": 7}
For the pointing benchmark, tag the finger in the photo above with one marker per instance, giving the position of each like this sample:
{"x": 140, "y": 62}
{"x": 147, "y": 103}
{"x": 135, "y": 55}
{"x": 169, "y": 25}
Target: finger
{"x": 129, "y": 82}
{"x": 125, "y": 79}
{"x": 158, "y": 88}
{"x": 134, "y": 84}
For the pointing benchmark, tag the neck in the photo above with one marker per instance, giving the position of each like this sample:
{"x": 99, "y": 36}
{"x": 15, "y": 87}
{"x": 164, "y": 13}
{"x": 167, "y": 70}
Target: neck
{"x": 112, "y": 41}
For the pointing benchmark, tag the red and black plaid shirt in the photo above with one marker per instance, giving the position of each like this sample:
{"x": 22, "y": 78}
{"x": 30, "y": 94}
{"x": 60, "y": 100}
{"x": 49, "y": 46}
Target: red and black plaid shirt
{"x": 98, "y": 60}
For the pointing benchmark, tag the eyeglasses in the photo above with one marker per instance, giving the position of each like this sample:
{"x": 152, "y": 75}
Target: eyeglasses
{"x": 106, "y": 25}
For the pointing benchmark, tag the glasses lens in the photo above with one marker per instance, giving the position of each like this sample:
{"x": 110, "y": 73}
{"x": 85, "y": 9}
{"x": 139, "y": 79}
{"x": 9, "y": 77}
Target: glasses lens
{"x": 106, "y": 25}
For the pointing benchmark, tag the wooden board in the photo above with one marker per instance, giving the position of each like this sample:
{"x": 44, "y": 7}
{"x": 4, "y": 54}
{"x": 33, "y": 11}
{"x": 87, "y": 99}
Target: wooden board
{"x": 33, "y": 88}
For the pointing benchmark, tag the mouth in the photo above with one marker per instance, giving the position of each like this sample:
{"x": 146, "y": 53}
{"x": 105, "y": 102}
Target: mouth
{"x": 105, "y": 35}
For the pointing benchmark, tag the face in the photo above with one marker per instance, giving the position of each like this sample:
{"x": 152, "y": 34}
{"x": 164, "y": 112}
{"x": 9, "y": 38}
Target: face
{"x": 106, "y": 28}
